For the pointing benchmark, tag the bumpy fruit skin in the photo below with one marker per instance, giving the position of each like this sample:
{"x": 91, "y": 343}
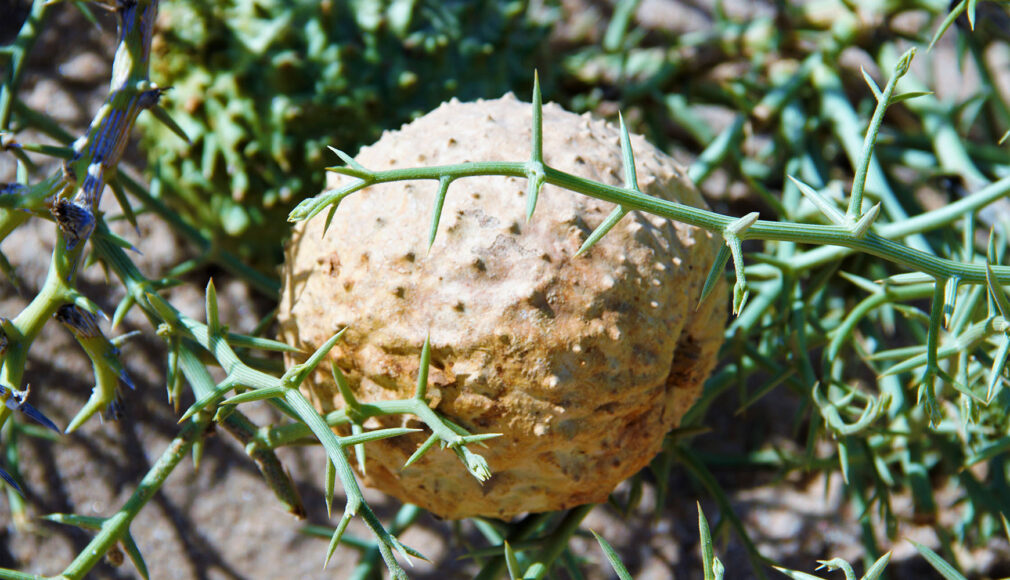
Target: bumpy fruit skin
{"x": 261, "y": 87}
{"x": 582, "y": 363}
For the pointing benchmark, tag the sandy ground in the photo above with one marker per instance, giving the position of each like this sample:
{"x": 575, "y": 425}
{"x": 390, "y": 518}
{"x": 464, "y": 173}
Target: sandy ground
{"x": 222, "y": 521}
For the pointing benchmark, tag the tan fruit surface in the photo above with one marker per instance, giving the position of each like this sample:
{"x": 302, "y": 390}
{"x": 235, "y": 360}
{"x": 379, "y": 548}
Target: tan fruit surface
{"x": 581, "y": 363}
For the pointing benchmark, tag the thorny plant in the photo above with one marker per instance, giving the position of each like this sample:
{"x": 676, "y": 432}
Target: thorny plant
{"x": 262, "y": 87}
{"x": 886, "y": 439}
{"x": 70, "y": 198}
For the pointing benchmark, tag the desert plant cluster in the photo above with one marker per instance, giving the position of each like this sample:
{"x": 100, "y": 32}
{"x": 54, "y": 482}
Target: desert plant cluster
{"x": 765, "y": 249}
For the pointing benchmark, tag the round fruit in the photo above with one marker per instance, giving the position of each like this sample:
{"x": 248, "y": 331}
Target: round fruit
{"x": 582, "y": 363}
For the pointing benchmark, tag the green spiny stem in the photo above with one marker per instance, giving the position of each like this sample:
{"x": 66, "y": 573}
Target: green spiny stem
{"x": 947, "y": 145}
{"x": 97, "y": 154}
{"x": 449, "y": 434}
{"x": 104, "y": 355}
{"x": 236, "y": 423}
{"x": 274, "y": 437}
{"x": 159, "y": 309}
{"x": 865, "y": 156}
{"x": 21, "y": 331}
{"x": 274, "y": 474}
{"x": 872, "y": 243}
{"x": 9, "y": 220}
{"x": 93, "y": 523}
{"x": 421, "y": 410}
{"x": 948, "y": 213}
{"x": 368, "y": 566}
{"x": 348, "y": 540}
{"x": 217, "y": 346}
{"x": 932, "y": 341}
{"x": 117, "y": 525}
{"x": 142, "y": 291}
{"x": 924, "y": 222}
{"x": 23, "y": 44}
{"x": 355, "y": 501}
{"x": 847, "y": 125}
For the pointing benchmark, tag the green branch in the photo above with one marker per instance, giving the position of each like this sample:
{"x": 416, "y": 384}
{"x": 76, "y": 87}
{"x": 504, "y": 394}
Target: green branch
{"x": 871, "y": 243}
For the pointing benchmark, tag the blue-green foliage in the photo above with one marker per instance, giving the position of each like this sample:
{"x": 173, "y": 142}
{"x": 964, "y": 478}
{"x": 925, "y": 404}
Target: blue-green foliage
{"x": 261, "y": 87}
